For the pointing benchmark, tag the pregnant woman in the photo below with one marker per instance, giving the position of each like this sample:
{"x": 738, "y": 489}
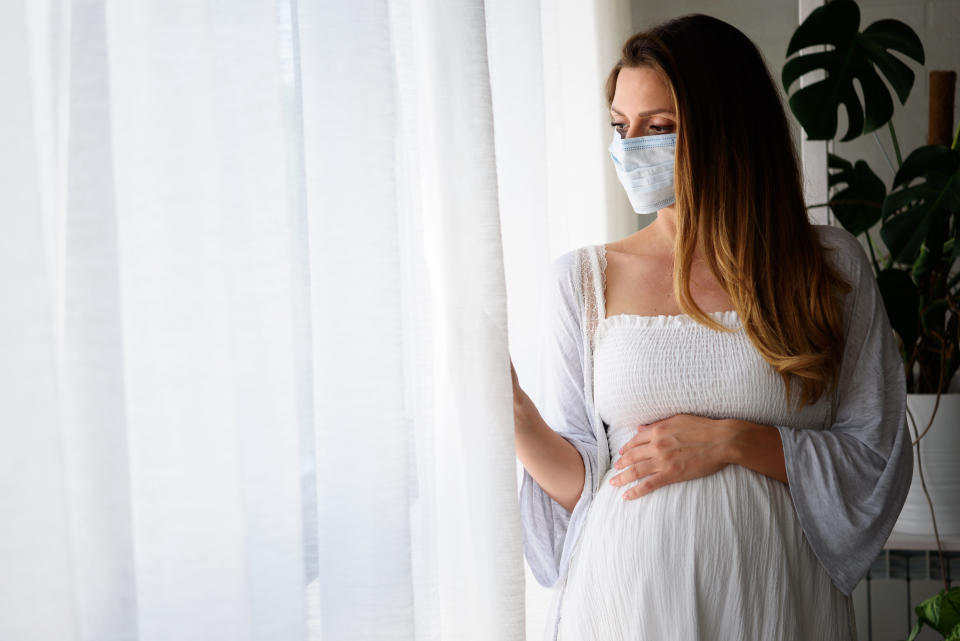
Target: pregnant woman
{"x": 718, "y": 447}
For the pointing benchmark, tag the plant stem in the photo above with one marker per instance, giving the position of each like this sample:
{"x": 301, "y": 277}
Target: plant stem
{"x": 923, "y": 484}
{"x": 896, "y": 145}
{"x": 884, "y": 152}
{"x": 956, "y": 139}
{"x": 873, "y": 256}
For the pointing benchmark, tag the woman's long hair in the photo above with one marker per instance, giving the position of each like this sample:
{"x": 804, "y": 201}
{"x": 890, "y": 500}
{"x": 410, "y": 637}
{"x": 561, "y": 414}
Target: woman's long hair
{"x": 739, "y": 198}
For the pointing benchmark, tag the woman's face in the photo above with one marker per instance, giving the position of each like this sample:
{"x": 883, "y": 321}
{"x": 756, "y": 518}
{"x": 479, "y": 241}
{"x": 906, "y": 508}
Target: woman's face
{"x": 641, "y": 104}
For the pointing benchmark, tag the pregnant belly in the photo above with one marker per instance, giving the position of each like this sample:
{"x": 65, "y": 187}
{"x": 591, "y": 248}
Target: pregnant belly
{"x": 729, "y": 538}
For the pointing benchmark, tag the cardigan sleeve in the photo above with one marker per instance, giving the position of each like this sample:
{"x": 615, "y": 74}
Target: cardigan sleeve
{"x": 848, "y": 483}
{"x": 559, "y": 397}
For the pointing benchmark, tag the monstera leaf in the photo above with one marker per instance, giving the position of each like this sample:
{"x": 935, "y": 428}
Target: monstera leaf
{"x": 941, "y": 612}
{"x": 857, "y": 206}
{"x": 902, "y": 302}
{"x": 911, "y": 213}
{"x": 853, "y": 55}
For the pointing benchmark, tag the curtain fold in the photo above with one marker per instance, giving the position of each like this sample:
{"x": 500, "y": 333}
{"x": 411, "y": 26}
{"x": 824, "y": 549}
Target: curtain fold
{"x": 402, "y": 193}
{"x": 253, "y": 260}
{"x": 36, "y": 588}
{"x": 558, "y": 189}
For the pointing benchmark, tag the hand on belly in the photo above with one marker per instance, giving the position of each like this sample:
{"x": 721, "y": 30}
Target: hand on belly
{"x": 678, "y": 448}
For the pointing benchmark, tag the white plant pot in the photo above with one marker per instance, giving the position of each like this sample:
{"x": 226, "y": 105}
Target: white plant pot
{"x": 940, "y": 456}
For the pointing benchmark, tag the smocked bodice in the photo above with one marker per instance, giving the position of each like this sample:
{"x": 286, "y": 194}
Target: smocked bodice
{"x": 647, "y": 368}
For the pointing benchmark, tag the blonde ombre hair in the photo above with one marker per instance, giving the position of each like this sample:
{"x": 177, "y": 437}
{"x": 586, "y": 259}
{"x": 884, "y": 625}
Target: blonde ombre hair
{"x": 739, "y": 198}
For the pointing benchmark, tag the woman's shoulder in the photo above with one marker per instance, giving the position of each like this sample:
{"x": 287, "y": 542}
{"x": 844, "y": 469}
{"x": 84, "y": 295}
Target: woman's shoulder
{"x": 568, "y": 260}
{"x": 570, "y": 265}
{"x": 834, "y": 235}
{"x": 574, "y": 276}
{"x": 843, "y": 248}
{"x": 563, "y": 273}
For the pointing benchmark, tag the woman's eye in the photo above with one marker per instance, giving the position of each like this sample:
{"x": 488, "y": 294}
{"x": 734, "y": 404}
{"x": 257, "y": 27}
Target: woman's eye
{"x": 657, "y": 128}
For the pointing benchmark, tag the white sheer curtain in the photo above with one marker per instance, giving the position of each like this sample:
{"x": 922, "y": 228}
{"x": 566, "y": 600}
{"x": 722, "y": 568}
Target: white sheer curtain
{"x": 549, "y": 61}
{"x": 255, "y": 378}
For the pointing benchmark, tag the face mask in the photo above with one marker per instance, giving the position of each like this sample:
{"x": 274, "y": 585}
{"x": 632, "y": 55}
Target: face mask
{"x": 645, "y": 168}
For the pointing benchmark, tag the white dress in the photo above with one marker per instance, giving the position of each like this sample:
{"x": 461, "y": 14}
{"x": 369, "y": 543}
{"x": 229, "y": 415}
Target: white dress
{"x": 720, "y": 557}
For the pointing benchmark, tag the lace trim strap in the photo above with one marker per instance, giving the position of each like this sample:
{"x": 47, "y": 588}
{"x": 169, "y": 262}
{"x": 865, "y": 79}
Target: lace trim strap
{"x": 593, "y": 285}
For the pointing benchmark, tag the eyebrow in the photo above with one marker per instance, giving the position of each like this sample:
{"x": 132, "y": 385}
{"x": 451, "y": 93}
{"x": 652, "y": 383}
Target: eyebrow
{"x": 644, "y": 113}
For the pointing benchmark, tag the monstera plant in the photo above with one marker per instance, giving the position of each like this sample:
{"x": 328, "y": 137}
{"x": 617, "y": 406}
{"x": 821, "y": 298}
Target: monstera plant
{"x": 918, "y": 216}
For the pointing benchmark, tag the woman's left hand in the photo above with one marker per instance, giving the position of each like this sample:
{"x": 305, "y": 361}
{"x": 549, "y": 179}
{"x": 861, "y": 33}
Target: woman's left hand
{"x": 678, "y": 448}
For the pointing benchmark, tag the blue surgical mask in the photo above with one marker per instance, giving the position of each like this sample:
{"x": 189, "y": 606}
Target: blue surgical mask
{"x": 645, "y": 168}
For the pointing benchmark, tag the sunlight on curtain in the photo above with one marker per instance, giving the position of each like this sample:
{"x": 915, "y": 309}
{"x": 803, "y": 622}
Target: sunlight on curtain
{"x": 558, "y": 190}
{"x": 255, "y": 381}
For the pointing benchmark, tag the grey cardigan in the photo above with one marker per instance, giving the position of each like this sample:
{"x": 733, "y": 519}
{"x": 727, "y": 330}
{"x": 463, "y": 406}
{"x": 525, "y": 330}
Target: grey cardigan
{"x": 848, "y": 483}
